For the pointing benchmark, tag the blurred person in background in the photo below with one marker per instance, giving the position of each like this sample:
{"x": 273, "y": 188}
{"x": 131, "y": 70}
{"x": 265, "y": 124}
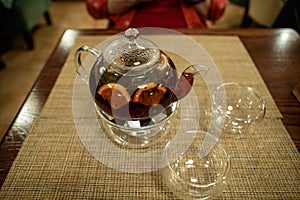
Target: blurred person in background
{"x": 157, "y": 13}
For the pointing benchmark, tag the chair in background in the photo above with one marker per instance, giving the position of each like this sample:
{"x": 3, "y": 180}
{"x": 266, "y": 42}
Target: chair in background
{"x": 286, "y": 13}
{"x": 245, "y": 4}
{"x": 20, "y": 17}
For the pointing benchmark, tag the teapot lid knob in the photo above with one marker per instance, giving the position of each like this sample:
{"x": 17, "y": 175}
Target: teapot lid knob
{"x": 132, "y": 34}
{"x": 131, "y": 53}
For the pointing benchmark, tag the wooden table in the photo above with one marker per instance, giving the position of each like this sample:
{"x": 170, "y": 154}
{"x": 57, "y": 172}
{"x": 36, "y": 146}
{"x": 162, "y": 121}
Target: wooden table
{"x": 274, "y": 51}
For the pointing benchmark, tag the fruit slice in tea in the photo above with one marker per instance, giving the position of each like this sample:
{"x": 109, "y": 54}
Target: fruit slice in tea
{"x": 150, "y": 95}
{"x": 115, "y": 94}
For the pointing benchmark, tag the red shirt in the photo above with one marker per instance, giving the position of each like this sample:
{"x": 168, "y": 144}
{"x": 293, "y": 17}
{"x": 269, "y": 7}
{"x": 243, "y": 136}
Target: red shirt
{"x": 159, "y": 13}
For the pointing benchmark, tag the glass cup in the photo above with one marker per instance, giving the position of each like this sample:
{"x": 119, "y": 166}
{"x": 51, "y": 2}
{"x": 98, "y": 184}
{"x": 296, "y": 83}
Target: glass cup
{"x": 237, "y": 107}
{"x": 191, "y": 176}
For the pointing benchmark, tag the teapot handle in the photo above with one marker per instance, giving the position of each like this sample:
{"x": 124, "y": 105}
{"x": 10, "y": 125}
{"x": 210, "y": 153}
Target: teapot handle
{"x": 80, "y": 69}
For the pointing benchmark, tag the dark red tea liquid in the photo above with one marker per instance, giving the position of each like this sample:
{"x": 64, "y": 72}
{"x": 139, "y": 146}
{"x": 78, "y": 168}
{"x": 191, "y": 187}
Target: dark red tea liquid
{"x": 174, "y": 88}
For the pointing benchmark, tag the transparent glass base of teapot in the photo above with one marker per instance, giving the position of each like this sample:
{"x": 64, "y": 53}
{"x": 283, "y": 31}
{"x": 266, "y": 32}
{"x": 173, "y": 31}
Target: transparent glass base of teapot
{"x": 137, "y": 133}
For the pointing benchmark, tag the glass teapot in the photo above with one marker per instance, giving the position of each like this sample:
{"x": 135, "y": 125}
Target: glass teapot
{"x": 135, "y": 86}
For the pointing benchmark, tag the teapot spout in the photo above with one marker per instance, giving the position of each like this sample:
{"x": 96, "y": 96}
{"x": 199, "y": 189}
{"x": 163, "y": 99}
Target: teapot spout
{"x": 186, "y": 80}
{"x": 196, "y": 69}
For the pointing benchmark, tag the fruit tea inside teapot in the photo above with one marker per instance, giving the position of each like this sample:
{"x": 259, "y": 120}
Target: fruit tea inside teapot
{"x": 135, "y": 85}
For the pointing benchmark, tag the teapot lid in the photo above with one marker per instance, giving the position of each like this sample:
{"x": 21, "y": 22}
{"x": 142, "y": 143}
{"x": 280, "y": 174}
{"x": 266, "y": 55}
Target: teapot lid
{"x": 131, "y": 53}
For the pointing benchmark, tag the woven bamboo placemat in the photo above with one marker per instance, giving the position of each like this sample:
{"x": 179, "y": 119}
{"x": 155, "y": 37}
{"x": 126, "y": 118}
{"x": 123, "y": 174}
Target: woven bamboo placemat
{"x": 54, "y": 164}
